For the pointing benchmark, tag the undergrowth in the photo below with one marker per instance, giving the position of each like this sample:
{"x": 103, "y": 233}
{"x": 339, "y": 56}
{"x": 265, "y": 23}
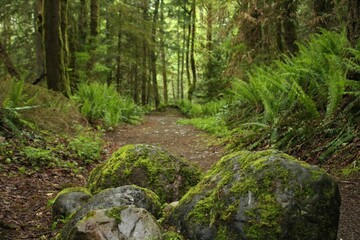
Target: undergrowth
{"x": 101, "y": 102}
{"x": 40, "y": 129}
{"x": 304, "y": 105}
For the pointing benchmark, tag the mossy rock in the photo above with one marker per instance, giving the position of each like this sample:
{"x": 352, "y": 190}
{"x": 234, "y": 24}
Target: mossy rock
{"x": 118, "y": 198}
{"x": 170, "y": 177}
{"x": 68, "y": 201}
{"x": 260, "y": 195}
{"x": 125, "y": 223}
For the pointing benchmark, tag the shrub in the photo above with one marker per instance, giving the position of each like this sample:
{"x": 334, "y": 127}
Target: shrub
{"x": 101, "y": 102}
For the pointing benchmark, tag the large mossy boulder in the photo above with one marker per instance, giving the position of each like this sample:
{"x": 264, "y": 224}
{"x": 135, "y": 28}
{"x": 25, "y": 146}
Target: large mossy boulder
{"x": 170, "y": 177}
{"x": 129, "y": 195}
{"x": 260, "y": 195}
{"x": 120, "y": 223}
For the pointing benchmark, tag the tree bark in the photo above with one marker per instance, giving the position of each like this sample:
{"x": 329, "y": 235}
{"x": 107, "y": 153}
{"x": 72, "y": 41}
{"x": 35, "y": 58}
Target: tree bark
{"x": 83, "y": 24}
{"x": 54, "y": 48}
{"x": 39, "y": 46}
{"x": 162, "y": 52}
{"x": 289, "y": 22}
{"x": 94, "y": 17}
{"x": 8, "y": 62}
{"x": 192, "y": 50}
{"x": 153, "y": 55}
{"x": 353, "y": 24}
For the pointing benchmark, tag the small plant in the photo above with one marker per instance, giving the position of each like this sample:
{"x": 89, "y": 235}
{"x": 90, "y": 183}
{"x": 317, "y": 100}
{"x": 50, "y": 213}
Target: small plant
{"x": 87, "y": 147}
{"x": 101, "y": 102}
{"x": 38, "y": 156}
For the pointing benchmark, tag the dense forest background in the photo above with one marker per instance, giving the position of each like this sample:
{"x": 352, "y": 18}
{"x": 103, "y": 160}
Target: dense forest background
{"x": 277, "y": 73}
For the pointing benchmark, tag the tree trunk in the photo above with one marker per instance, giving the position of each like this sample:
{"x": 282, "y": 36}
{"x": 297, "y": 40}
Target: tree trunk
{"x": 83, "y": 24}
{"x": 7, "y": 62}
{"x": 39, "y": 47}
{"x": 289, "y": 22}
{"x": 153, "y": 56}
{"x": 353, "y": 24}
{"x": 54, "y": 48}
{"x": 209, "y": 25}
{"x": 162, "y": 52}
{"x": 118, "y": 63}
{"x": 187, "y": 54}
{"x": 94, "y": 17}
{"x": 192, "y": 50}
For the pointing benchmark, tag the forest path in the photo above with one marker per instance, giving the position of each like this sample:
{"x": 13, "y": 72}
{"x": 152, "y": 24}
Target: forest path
{"x": 161, "y": 129}
{"x": 23, "y": 197}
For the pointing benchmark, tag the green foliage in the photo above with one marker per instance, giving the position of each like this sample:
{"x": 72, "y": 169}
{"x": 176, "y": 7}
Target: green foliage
{"x": 299, "y": 100}
{"x": 39, "y": 156}
{"x": 211, "y": 125}
{"x": 209, "y": 109}
{"x": 86, "y": 146}
{"x": 101, "y": 102}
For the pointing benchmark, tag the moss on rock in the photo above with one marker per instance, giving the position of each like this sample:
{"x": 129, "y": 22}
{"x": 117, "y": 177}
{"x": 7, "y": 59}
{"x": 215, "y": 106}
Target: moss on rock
{"x": 260, "y": 195}
{"x": 146, "y": 166}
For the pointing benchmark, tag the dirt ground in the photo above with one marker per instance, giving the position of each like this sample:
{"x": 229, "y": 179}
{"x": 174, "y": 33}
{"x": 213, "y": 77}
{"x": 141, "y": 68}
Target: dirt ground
{"x": 24, "y": 211}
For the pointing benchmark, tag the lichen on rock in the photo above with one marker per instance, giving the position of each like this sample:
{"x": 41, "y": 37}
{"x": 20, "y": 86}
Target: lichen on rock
{"x": 146, "y": 166}
{"x": 260, "y": 195}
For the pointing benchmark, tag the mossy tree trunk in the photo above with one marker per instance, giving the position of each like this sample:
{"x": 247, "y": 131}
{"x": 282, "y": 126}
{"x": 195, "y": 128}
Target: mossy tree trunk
{"x": 94, "y": 17}
{"x": 55, "y": 46}
{"x": 290, "y": 25}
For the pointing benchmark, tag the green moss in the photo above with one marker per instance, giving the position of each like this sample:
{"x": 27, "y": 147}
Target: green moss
{"x": 257, "y": 175}
{"x": 69, "y": 190}
{"x": 146, "y": 166}
{"x": 115, "y": 213}
{"x": 170, "y": 235}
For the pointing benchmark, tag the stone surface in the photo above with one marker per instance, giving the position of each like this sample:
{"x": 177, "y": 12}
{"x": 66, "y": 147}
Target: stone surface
{"x": 116, "y": 197}
{"x": 121, "y": 223}
{"x": 260, "y": 195}
{"x": 69, "y": 201}
{"x": 170, "y": 177}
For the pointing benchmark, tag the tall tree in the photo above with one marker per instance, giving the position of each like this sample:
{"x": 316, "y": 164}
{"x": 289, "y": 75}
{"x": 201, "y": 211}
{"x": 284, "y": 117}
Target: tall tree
{"x": 192, "y": 86}
{"x": 94, "y": 17}
{"x": 162, "y": 53}
{"x": 83, "y": 23}
{"x": 353, "y": 24}
{"x": 54, "y": 47}
{"x": 290, "y": 22}
{"x": 39, "y": 46}
{"x": 153, "y": 55}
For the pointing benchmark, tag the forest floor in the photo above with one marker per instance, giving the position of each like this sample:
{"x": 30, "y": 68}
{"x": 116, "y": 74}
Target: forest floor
{"x": 24, "y": 210}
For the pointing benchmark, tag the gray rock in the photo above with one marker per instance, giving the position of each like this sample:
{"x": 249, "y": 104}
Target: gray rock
{"x": 260, "y": 195}
{"x": 121, "y": 223}
{"x": 170, "y": 177}
{"x": 116, "y": 197}
{"x": 69, "y": 201}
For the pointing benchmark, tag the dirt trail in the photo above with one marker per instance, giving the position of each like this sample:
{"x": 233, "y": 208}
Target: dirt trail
{"x": 23, "y": 198}
{"x": 161, "y": 129}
